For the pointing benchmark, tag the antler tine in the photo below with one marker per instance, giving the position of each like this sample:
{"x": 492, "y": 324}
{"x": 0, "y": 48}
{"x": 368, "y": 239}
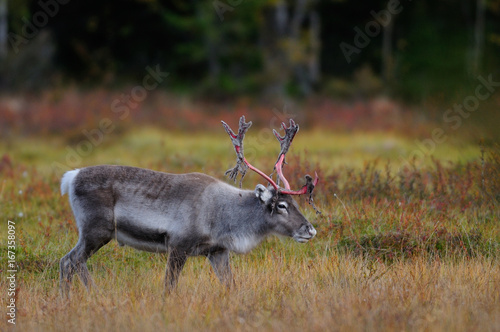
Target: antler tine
{"x": 241, "y": 163}
{"x": 237, "y": 140}
{"x": 285, "y": 142}
{"x": 286, "y": 139}
{"x": 307, "y": 188}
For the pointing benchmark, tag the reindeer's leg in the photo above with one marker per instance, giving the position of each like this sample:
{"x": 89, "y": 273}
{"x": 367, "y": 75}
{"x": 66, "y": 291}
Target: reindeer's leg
{"x": 66, "y": 270}
{"x": 76, "y": 261}
{"x": 93, "y": 241}
{"x": 175, "y": 263}
{"x": 220, "y": 263}
{"x": 95, "y": 232}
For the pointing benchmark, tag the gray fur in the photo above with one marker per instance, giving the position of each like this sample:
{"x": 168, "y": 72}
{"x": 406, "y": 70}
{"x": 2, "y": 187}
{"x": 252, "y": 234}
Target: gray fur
{"x": 180, "y": 214}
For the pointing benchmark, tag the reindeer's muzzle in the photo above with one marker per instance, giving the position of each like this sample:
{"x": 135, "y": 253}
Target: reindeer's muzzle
{"x": 305, "y": 233}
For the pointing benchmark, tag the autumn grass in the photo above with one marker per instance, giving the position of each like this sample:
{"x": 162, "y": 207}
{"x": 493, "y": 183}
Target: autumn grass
{"x": 398, "y": 248}
{"x": 276, "y": 290}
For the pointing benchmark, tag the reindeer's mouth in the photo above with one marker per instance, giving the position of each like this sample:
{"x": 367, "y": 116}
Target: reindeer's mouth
{"x": 302, "y": 239}
{"x": 309, "y": 233}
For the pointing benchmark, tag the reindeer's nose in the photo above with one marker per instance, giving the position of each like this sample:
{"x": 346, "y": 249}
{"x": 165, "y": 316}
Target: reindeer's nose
{"x": 311, "y": 231}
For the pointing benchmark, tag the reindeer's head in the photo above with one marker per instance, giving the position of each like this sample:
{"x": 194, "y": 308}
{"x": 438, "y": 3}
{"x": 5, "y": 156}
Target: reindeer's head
{"x": 283, "y": 215}
{"x": 281, "y": 209}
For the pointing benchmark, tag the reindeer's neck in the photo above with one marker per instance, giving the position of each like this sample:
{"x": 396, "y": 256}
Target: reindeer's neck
{"x": 245, "y": 224}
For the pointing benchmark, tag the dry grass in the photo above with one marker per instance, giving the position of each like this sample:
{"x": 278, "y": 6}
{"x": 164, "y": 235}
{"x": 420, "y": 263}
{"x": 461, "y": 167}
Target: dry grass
{"x": 277, "y": 291}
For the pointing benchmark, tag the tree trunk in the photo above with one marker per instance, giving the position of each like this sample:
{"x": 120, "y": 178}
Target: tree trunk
{"x": 290, "y": 50}
{"x": 3, "y": 29}
{"x": 273, "y": 31}
{"x": 315, "y": 45}
{"x": 211, "y": 41}
{"x": 296, "y": 46}
{"x": 478, "y": 38}
{"x": 387, "y": 60}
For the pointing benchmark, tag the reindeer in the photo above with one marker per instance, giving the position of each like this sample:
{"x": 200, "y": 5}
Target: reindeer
{"x": 181, "y": 214}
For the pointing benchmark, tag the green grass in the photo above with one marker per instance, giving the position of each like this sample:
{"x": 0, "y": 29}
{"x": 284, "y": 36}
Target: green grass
{"x": 174, "y": 150}
{"x": 398, "y": 248}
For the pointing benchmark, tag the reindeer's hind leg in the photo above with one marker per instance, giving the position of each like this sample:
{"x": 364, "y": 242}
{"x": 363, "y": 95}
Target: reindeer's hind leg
{"x": 66, "y": 271}
{"x": 76, "y": 259}
{"x": 96, "y": 228}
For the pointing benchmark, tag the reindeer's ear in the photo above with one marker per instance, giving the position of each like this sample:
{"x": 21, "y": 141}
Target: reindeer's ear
{"x": 264, "y": 194}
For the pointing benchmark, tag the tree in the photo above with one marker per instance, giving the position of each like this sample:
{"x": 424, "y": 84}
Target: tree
{"x": 3, "y": 29}
{"x": 478, "y": 37}
{"x": 387, "y": 58}
{"x": 290, "y": 40}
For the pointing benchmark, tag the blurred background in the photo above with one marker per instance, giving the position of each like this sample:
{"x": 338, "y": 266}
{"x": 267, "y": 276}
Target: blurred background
{"x": 404, "y": 67}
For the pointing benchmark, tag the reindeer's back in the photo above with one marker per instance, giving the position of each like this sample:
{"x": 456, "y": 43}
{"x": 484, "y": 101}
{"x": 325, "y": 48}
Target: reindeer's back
{"x": 125, "y": 180}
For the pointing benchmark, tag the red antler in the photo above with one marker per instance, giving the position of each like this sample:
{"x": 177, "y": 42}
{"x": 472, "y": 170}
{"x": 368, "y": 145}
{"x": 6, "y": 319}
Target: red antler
{"x": 285, "y": 142}
{"x": 242, "y": 164}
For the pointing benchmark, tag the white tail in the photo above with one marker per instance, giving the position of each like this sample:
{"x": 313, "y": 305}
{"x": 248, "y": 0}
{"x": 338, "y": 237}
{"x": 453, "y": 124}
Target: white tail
{"x": 67, "y": 179}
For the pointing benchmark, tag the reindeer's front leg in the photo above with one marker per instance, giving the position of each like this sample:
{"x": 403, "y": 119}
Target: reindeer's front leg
{"x": 220, "y": 263}
{"x": 175, "y": 263}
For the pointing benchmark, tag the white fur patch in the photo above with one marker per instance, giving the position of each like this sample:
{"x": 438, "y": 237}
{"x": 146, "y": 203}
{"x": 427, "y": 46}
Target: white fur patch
{"x": 67, "y": 180}
{"x": 243, "y": 244}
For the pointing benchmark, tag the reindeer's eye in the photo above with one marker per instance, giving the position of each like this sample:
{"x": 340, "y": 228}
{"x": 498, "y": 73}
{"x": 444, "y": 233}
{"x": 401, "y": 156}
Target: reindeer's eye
{"x": 282, "y": 206}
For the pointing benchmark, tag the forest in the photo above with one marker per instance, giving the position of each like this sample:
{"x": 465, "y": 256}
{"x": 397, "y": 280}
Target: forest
{"x": 414, "y": 50}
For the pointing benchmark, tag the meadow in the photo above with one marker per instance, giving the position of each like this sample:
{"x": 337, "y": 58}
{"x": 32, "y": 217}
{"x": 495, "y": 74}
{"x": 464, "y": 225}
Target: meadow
{"x": 402, "y": 245}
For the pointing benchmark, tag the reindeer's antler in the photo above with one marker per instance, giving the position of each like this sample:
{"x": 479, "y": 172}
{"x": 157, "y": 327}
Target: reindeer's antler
{"x": 242, "y": 164}
{"x": 285, "y": 142}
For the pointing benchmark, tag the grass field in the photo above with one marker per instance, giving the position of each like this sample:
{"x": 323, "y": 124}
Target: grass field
{"x": 402, "y": 245}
